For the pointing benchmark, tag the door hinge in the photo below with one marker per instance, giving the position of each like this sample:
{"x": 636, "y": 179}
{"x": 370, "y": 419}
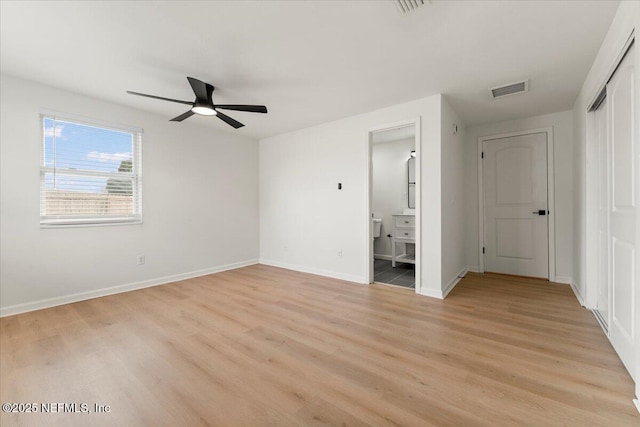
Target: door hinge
{"x": 482, "y": 156}
{"x": 483, "y": 249}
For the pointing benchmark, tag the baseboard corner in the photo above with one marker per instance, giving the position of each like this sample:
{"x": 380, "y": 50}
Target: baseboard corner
{"x": 453, "y": 282}
{"x": 473, "y": 269}
{"x": 431, "y": 293}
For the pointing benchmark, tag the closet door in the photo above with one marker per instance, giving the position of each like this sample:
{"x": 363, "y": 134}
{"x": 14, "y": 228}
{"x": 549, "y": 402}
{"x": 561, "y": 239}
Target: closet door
{"x": 623, "y": 209}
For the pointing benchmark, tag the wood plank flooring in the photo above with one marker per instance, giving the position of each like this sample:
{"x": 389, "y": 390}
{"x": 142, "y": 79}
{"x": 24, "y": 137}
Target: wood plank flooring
{"x": 266, "y": 346}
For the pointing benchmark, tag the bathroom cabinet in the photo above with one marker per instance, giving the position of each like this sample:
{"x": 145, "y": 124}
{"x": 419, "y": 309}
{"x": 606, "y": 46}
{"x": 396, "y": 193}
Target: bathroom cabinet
{"x": 404, "y": 231}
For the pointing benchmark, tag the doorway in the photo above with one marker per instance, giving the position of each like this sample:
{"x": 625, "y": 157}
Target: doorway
{"x": 394, "y": 205}
{"x": 515, "y": 197}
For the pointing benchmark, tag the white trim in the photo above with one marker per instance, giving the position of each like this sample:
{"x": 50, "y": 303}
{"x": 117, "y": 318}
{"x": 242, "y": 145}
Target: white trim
{"x": 369, "y": 276}
{"x": 637, "y": 403}
{"x": 577, "y": 293}
{"x": 82, "y": 296}
{"x": 317, "y": 271}
{"x": 591, "y": 190}
{"x": 104, "y": 222}
{"x": 453, "y": 282}
{"x": 472, "y": 269}
{"x": 551, "y": 230}
{"x": 442, "y": 294}
{"x": 432, "y": 293}
{"x": 566, "y": 280}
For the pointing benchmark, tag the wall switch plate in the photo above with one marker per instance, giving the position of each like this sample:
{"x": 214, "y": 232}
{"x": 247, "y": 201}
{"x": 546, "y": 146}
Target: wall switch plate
{"x": 141, "y": 259}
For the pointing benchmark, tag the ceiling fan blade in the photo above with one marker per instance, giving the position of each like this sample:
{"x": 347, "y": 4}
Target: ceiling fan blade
{"x": 159, "y": 97}
{"x": 183, "y": 116}
{"x": 236, "y": 124}
{"x": 202, "y": 90}
{"x": 249, "y": 108}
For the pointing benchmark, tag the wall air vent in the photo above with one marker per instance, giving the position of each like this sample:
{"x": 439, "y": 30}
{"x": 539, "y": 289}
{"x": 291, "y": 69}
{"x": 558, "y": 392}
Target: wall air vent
{"x": 510, "y": 89}
{"x": 406, "y": 6}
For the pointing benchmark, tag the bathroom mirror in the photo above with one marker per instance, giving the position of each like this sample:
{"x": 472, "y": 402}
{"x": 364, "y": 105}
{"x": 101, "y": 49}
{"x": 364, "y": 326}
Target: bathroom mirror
{"x": 411, "y": 191}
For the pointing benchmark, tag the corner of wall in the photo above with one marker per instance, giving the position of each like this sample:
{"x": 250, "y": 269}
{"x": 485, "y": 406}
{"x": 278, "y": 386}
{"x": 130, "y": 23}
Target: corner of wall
{"x": 452, "y": 138}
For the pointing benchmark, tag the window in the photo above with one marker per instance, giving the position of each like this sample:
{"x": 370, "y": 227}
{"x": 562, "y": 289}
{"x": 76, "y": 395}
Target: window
{"x": 89, "y": 173}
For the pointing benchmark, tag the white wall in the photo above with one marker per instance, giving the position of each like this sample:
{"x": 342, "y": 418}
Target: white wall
{"x": 390, "y": 188}
{"x": 305, "y": 220}
{"x": 563, "y": 158}
{"x": 453, "y": 197}
{"x": 200, "y": 205}
{"x": 626, "y": 20}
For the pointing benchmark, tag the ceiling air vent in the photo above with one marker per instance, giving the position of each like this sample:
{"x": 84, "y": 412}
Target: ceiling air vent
{"x": 510, "y": 89}
{"x": 406, "y": 6}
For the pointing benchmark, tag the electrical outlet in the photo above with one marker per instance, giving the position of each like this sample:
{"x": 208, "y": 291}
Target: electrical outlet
{"x": 340, "y": 254}
{"x": 141, "y": 259}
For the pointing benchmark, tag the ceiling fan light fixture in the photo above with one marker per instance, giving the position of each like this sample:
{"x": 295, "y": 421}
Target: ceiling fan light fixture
{"x": 204, "y": 110}
{"x": 204, "y": 106}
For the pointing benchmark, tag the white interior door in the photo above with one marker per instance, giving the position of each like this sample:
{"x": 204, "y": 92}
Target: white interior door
{"x": 622, "y": 179}
{"x": 515, "y": 205}
{"x": 602, "y": 302}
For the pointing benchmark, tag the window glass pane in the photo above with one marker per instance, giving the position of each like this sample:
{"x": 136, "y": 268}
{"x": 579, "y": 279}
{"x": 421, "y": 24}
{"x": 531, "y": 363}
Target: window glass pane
{"x": 86, "y": 195}
{"x": 77, "y": 146}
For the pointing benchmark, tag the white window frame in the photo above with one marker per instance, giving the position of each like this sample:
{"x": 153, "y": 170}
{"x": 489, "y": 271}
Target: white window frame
{"x": 57, "y": 221}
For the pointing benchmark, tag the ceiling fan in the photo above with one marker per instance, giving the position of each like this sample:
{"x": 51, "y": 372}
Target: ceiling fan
{"x": 204, "y": 105}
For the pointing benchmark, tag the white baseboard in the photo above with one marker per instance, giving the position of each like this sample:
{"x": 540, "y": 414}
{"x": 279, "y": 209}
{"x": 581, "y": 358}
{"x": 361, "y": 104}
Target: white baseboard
{"x": 637, "y": 403}
{"x": 453, "y": 282}
{"x": 318, "y": 271}
{"x": 564, "y": 280}
{"x": 442, "y": 294}
{"x": 568, "y": 280}
{"x": 473, "y": 269}
{"x": 577, "y": 293}
{"x": 82, "y": 296}
{"x": 432, "y": 293}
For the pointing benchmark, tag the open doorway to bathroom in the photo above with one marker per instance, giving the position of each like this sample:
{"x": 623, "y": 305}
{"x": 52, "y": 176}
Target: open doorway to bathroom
{"x": 394, "y": 198}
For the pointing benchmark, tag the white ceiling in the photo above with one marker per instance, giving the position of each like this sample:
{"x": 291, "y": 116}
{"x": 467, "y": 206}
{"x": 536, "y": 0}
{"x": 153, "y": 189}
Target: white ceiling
{"x": 309, "y": 61}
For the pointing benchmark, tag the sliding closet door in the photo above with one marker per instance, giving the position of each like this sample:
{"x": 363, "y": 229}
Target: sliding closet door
{"x": 623, "y": 178}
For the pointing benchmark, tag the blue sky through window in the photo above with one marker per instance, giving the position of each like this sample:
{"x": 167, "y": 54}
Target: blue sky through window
{"x": 73, "y": 146}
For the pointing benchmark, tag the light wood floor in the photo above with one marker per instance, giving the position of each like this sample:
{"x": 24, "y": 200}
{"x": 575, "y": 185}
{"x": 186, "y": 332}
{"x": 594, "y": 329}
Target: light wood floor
{"x": 267, "y": 346}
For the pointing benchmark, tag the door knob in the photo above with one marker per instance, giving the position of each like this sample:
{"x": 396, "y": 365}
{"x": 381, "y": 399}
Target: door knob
{"x": 540, "y": 212}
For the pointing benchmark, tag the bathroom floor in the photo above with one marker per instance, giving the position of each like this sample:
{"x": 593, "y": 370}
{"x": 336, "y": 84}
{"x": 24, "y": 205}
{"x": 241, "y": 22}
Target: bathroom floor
{"x": 402, "y": 275}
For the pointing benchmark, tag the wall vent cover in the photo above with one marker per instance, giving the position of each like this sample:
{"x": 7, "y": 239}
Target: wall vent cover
{"x": 406, "y": 6}
{"x": 510, "y": 89}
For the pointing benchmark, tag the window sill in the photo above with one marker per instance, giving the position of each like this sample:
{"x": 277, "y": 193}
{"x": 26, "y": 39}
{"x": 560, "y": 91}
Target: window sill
{"x": 88, "y": 223}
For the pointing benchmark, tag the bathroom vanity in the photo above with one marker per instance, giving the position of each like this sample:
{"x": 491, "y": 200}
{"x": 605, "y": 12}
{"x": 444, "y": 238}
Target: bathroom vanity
{"x": 404, "y": 231}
